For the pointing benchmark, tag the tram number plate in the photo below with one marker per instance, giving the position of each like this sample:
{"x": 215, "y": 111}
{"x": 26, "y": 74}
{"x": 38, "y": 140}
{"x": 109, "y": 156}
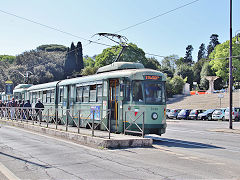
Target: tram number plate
{"x": 151, "y": 77}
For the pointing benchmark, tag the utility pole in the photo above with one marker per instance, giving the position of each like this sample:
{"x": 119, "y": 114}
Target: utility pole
{"x": 230, "y": 69}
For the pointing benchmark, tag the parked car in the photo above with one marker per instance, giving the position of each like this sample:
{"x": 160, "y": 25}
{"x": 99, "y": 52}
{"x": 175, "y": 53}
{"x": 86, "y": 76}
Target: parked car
{"x": 167, "y": 112}
{"x": 173, "y": 113}
{"x": 219, "y": 114}
{"x": 235, "y": 114}
{"x": 206, "y": 115}
{"x": 183, "y": 114}
{"x": 194, "y": 113}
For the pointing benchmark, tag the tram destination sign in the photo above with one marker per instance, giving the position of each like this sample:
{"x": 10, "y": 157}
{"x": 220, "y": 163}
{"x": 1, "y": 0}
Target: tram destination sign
{"x": 152, "y": 77}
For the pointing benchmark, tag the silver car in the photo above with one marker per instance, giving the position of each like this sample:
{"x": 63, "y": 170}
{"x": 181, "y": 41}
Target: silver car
{"x": 219, "y": 114}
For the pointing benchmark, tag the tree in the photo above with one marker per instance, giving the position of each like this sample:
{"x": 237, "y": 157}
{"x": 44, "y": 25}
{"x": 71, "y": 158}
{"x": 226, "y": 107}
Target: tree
{"x": 45, "y": 66}
{"x": 177, "y": 83}
{"x": 169, "y": 65}
{"x": 88, "y": 61}
{"x": 212, "y": 44}
{"x": 131, "y": 54}
{"x": 206, "y": 71}
{"x": 201, "y": 52}
{"x": 7, "y": 58}
{"x": 197, "y": 68}
{"x": 185, "y": 71}
{"x": 52, "y": 47}
{"x": 188, "y": 56}
{"x": 89, "y": 71}
{"x": 170, "y": 62}
{"x": 70, "y": 61}
{"x": 74, "y": 60}
{"x": 220, "y": 60}
{"x": 152, "y": 63}
{"x": 79, "y": 57}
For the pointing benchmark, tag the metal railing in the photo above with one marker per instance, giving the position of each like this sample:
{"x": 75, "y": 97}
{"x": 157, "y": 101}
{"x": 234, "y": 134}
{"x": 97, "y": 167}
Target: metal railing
{"x": 133, "y": 122}
{"x": 52, "y": 118}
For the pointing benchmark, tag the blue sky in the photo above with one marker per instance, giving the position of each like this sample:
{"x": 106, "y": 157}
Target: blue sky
{"x": 165, "y": 35}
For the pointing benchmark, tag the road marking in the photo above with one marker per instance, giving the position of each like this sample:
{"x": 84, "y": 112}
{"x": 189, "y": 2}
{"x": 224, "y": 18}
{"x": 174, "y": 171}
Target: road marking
{"x": 6, "y": 172}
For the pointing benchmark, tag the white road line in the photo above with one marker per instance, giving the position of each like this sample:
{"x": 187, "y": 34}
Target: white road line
{"x": 6, "y": 172}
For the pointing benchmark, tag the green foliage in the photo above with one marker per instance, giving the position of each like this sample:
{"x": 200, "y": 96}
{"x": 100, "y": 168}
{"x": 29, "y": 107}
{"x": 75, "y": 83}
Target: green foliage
{"x": 188, "y": 56}
{"x": 7, "y": 58}
{"x": 206, "y": 71}
{"x": 52, "y": 47}
{"x": 185, "y": 71}
{"x": 201, "y": 52}
{"x": 152, "y": 63}
{"x": 212, "y": 44}
{"x": 89, "y": 71}
{"x": 169, "y": 88}
{"x": 220, "y": 60}
{"x": 74, "y": 60}
{"x": 197, "y": 68}
{"x": 131, "y": 54}
{"x": 177, "y": 84}
{"x": 45, "y": 66}
{"x": 88, "y": 61}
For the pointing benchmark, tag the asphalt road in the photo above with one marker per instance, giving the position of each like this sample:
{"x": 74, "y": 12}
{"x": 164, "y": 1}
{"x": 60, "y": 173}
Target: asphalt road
{"x": 189, "y": 150}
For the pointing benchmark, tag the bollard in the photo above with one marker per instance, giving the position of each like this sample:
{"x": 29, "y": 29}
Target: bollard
{"x": 79, "y": 121}
{"x": 143, "y": 126}
{"x": 93, "y": 123}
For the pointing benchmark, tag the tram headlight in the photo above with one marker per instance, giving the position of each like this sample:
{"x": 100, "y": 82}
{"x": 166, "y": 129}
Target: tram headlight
{"x": 154, "y": 116}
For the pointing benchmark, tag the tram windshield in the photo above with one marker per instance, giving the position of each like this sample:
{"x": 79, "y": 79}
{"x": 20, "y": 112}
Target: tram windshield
{"x": 154, "y": 92}
{"x": 148, "y": 92}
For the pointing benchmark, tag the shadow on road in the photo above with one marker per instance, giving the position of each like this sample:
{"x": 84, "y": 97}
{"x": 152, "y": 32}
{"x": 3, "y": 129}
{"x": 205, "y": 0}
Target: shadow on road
{"x": 24, "y": 160}
{"x": 183, "y": 144}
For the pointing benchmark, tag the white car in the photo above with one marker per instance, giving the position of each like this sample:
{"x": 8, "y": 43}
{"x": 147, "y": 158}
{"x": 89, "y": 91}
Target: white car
{"x": 235, "y": 114}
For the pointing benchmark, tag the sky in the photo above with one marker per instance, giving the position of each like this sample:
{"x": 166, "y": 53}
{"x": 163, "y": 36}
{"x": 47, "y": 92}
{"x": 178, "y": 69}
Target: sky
{"x": 165, "y": 35}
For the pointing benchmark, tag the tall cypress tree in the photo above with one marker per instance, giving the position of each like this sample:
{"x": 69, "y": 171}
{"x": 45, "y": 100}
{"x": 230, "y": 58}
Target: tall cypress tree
{"x": 70, "y": 61}
{"x": 79, "y": 57}
{"x": 202, "y": 52}
{"x": 188, "y": 56}
{"x": 212, "y": 44}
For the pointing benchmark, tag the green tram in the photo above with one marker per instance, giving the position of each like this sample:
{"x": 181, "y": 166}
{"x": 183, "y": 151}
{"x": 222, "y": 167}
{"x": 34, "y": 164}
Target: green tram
{"x": 20, "y": 91}
{"x": 126, "y": 89}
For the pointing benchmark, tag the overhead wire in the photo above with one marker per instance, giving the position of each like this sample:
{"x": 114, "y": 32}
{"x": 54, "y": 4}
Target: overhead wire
{"x": 91, "y": 41}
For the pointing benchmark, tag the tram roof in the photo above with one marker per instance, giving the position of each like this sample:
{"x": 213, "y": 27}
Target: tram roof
{"x": 19, "y": 86}
{"x": 120, "y": 66}
{"x": 43, "y": 86}
{"x": 136, "y": 74}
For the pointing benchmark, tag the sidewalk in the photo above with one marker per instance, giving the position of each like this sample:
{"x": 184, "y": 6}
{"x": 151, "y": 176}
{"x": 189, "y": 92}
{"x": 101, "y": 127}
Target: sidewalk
{"x": 99, "y": 140}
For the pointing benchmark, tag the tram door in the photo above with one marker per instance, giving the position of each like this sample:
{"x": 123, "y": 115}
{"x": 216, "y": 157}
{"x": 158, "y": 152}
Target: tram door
{"x": 113, "y": 103}
{"x": 67, "y": 103}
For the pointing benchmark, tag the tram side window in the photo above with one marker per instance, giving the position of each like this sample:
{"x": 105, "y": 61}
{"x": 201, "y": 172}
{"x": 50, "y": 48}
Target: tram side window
{"x": 99, "y": 93}
{"x": 79, "y": 92}
{"x": 93, "y": 93}
{"x": 44, "y": 96}
{"x": 52, "y": 96}
{"x": 85, "y": 93}
{"x": 137, "y": 94}
{"x": 127, "y": 91}
{"x": 48, "y": 96}
{"x": 34, "y": 97}
{"x": 61, "y": 95}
